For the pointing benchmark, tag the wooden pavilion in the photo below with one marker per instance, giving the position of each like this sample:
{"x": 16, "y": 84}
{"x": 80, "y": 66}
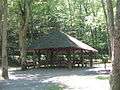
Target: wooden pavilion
{"x": 60, "y": 49}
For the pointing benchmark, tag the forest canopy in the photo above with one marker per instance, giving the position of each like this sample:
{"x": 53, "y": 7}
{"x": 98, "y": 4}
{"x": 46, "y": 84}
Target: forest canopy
{"x": 82, "y": 19}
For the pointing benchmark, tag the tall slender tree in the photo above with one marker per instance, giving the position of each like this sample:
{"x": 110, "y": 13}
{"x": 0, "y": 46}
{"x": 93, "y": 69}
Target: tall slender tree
{"x": 4, "y": 41}
{"x": 110, "y": 21}
{"x": 24, "y": 14}
{"x": 0, "y": 31}
{"x": 115, "y": 43}
{"x": 108, "y": 32}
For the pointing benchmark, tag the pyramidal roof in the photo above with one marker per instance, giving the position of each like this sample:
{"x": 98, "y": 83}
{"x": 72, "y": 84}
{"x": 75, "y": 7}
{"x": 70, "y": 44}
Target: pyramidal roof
{"x": 58, "y": 39}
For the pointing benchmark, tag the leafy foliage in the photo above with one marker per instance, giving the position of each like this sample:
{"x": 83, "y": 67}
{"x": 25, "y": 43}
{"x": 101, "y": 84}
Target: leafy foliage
{"x": 83, "y": 19}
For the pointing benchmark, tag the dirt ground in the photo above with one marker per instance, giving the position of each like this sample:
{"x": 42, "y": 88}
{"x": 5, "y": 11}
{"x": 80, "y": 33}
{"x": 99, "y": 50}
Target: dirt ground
{"x": 41, "y": 79}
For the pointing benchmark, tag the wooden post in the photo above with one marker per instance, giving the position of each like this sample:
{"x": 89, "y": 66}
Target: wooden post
{"x": 34, "y": 53}
{"x": 91, "y": 59}
{"x": 69, "y": 61}
{"x": 38, "y": 55}
{"x": 82, "y": 58}
{"x": 51, "y": 58}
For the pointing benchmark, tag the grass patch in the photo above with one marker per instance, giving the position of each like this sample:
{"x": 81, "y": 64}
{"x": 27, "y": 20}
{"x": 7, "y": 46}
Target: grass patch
{"x": 103, "y": 77}
{"x": 54, "y": 87}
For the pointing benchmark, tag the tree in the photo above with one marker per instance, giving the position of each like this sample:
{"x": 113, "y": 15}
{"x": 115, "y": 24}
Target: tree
{"x": 0, "y": 31}
{"x": 24, "y": 14}
{"x": 4, "y": 41}
{"x": 115, "y": 43}
{"x": 80, "y": 18}
{"x": 107, "y": 26}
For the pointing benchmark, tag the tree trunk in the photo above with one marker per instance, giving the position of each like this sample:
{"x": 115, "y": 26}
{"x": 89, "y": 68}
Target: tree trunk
{"x": 0, "y": 32}
{"x": 115, "y": 32}
{"x": 108, "y": 32}
{"x": 22, "y": 40}
{"x": 110, "y": 22}
{"x": 4, "y": 42}
{"x": 23, "y": 30}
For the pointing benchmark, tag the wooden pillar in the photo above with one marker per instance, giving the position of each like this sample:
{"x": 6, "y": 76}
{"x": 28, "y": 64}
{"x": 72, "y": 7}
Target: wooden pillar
{"x": 51, "y": 58}
{"x": 82, "y": 58}
{"x": 38, "y": 55}
{"x": 91, "y": 59}
{"x": 46, "y": 64}
{"x": 33, "y": 57}
{"x": 69, "y": 60}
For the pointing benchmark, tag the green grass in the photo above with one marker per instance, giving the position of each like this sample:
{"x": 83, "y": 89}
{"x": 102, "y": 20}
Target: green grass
{"x": 103, "y": 77}
{"x": 54, "y": 87}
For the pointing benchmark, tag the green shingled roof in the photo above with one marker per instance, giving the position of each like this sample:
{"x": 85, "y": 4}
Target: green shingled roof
{"x": 58, "y": 39}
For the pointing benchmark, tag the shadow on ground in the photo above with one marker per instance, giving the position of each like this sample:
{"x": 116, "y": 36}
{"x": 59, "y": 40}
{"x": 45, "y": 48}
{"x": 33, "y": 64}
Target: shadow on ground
{"x": 35, "y": 79}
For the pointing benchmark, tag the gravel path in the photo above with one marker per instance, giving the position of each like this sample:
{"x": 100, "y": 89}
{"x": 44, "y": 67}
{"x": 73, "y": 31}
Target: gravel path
{"x": 42, "y": 79}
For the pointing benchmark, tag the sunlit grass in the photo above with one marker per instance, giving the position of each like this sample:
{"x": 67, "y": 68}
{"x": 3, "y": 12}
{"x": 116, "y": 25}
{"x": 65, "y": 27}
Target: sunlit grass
{"x": 103, "y": 77}
{"x": 54, "y": 87}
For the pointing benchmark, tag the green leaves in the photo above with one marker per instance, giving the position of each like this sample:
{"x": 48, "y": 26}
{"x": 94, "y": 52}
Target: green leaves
{"x": 83, "y": 19}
